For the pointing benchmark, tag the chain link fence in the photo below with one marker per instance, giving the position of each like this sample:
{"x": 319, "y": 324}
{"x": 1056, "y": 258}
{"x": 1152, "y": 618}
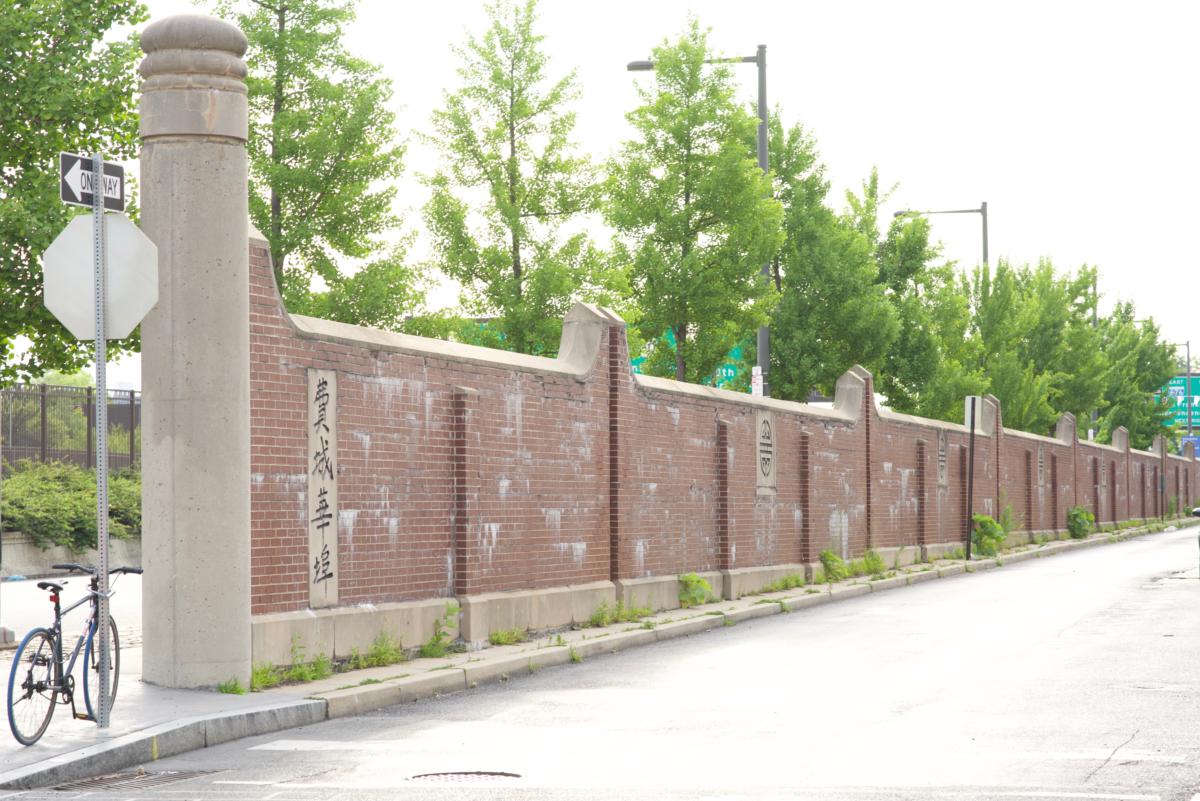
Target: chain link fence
{"x": 53, "y": 423}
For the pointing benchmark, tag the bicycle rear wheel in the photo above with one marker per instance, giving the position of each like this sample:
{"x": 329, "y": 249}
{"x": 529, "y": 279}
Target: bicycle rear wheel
{"x": 31, "y": 688}
{"x": 91, "y": 676}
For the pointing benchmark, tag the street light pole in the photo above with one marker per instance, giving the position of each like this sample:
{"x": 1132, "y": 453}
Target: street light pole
{"x": 982, "y": 211}
{"x": 763, "y": 361}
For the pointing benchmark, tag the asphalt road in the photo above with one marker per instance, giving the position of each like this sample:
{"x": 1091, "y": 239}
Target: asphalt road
{"x": 1074, "y": 677}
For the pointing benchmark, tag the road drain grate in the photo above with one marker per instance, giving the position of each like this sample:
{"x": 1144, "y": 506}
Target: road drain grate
{"x": 473, "y": 776}
{"x": 137, "y": 780}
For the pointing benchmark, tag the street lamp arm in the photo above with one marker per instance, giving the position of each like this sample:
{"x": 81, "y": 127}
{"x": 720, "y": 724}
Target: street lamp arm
{"x": 911, "y": 212}
{"x": 648, "y": 66}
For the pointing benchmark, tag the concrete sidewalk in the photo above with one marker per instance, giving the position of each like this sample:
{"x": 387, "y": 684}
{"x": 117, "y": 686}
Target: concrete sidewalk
{"x": 150, "y": 723}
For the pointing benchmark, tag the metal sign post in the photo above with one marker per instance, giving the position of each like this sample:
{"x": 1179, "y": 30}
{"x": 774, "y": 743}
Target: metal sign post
{"x": 101, "y": 439}
{"x": 972, "y": 400}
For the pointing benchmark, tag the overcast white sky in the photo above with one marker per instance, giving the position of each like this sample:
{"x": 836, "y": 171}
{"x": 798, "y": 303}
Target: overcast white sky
{"x": 1075, "y": 121}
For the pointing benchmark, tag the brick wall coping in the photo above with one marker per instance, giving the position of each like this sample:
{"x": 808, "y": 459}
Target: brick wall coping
{"x": 657, "y": 384}
{"x": 1012, "y": 432}
{"x": 927, "y": 422}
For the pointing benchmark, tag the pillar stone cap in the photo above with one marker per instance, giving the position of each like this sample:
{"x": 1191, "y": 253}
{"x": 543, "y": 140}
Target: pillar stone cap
{"x": 193, "y": 32}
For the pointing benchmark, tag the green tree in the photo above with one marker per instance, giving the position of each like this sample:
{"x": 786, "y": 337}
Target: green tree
{"x": 832, "y": 313}
{"x": 1140, "y": 365}
{"x": 64, "y": 88}
{"x": 322, "y": 158}
{"x": 693, "y": 212}
{"x": 510, "y": 185}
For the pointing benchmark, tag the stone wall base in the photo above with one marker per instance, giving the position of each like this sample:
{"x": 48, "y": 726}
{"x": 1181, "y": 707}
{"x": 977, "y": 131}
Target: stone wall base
{"x": 22, "y": 558}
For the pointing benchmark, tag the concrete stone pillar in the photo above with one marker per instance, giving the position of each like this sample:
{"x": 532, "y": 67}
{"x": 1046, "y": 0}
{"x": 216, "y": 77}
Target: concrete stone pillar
{"x": 196, "y": 355}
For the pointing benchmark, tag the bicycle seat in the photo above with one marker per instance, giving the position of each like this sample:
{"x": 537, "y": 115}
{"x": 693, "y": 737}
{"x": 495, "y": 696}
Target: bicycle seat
{"x": 49, "y": 585}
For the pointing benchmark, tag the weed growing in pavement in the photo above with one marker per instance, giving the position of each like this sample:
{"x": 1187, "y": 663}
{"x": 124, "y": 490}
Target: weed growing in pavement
{"x": 987, "y": 535}
{"x": 264, "y": 676}
{"x": 811, "y": 591}
{"x": 954, "y": 553}
{"x": 559, "y": 640}
{"x": 574, "y": 655}
{"x": 508, "y": 637}
{"x": 693, "y": 590}
{"x": 791, "y": 581}
{"x": 384, "y": 650}
{"x": 301, "y": 671}
{"x": 833, "y": 567}
{"x": 606, "y": 615}
{"x": 231, "y": 687}
{"x": 439, "y": 644}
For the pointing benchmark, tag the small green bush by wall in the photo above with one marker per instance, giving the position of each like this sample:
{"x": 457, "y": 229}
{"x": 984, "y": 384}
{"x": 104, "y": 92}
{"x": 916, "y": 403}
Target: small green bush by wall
{"x": 55, "y": 504}
{"x": 1079, "y": 522}
{"x": 834, "y": 567}
{"x": 693, "y": 590}
{"x": 987, "y": 536}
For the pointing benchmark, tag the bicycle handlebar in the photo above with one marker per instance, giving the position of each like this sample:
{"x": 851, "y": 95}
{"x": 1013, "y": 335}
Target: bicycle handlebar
{"x": 72, "y": 567}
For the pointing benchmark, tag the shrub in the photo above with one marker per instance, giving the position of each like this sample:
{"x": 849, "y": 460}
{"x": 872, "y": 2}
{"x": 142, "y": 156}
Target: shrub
{"x": 606, "y": 615}
{"x": 1079, "y": 522}
{"x": 55, "y": 504}
{"x": 693, "y": 590}
{"x": 1008, "y": 520}
{"x": 508, "y": 637}
{"x": 834, "y": 567}
{"x": 440, "y": 644}
{"x": 384, "y": 650}
{"x": 987, "y": 536}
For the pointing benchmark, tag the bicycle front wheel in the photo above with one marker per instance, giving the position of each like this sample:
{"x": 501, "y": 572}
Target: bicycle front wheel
{"x": 91, "y": 676}
{"x": 31, "y": 687}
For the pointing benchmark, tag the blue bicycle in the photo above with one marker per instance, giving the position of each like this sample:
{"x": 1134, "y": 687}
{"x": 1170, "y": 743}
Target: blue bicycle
{"x": 39, "y": 681}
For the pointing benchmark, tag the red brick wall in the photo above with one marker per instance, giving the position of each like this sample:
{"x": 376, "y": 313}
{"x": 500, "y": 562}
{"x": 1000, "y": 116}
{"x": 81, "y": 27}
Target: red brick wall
{"x": 469, "y": 475}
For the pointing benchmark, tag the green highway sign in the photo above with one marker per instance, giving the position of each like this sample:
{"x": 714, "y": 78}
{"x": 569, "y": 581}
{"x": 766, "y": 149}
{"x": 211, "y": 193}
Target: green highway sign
{"x": 1177, "y": 390}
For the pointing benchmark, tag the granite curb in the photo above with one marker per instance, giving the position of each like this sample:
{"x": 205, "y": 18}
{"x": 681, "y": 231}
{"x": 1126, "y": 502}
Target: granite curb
{"x": 164, "y": 740}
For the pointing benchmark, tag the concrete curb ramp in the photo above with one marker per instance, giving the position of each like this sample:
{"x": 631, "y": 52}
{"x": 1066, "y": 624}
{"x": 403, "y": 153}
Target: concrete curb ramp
{"x": 467, "y": 671}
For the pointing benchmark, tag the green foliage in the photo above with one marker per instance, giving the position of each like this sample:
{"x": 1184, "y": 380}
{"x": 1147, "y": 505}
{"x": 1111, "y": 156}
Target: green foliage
{"x": 1079, "y": 522}
{"x": 693, "y": 590}
{"x": 231, "y": 687}
{"x": 789, "y": 582}
{"x": 954, "y": 553}
{"x": 574, "y": 655}
{"x": 1008, "y": 519}
{"x": 505, "y": 138}
{"x": 68, "y": 84}
{"x": 833, "y": 313}
{"x": 693, "y": 213}
{"x": 833, "y": 566}
{"x": 1140, "y": 365}
{"x": 440, "y": 644}
{"x": 264, "y": 676}
{"x": 1172, "y": 506}
{"x": 508, "y": 637}
{"x": 987, "y": 536}
{"x": 55, "y": 504}
{"x": 301, "y": 671}
{"x": 871, "y": 564}
{"x": 606, "y": 615}
{"x": 385, "y": 649}
{"x": 322, "y": 158}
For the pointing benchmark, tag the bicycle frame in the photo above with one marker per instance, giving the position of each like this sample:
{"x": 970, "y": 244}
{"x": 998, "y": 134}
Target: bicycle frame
{"x": 61, "y": 674}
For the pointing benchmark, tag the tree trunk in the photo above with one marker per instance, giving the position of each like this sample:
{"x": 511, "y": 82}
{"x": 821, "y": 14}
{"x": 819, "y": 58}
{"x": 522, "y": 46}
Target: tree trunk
{"x": 680, "y": 364}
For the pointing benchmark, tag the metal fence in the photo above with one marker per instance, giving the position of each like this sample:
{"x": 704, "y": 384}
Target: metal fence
{"x": 52, "y": 423}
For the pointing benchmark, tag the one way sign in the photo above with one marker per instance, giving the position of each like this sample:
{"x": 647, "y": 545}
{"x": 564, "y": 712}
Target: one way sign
{"x": 75, "y": 186}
